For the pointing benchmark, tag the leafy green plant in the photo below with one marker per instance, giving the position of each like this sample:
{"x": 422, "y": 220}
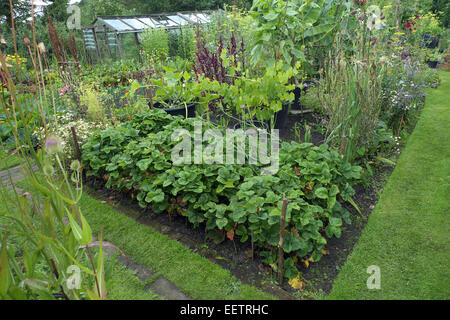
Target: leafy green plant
{"x": 155, "y": 43}
{"x": 176, "y": 90}
{"x": 350, "y": 91}
{"x": 284, "y": 28}
{"x": 310, "y": 100}
{"x": 89, "y": 100}
{"x": 260, "y": 97}
{"x": 232, "y": 201}
{"x": 427, "y": 23}
{"x": 42, "y": 237}
{"x": 181, "y": 42}
{"x": 433, "y": 54}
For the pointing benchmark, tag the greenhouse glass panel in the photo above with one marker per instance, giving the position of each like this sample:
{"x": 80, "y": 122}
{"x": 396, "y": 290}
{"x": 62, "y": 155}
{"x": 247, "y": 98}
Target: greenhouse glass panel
{"x": 135, "y": 23}
{"x": 194, "y": 18}
{"x": 204, "y": 17}
{"x": 178, "y": 20}
{"x": 167, "y": 23}
{"x": 150, "y": 22}
{"x": 118, "y": 25}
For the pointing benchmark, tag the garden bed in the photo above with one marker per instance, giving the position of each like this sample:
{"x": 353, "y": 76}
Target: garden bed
{"x": 236, "y": 256}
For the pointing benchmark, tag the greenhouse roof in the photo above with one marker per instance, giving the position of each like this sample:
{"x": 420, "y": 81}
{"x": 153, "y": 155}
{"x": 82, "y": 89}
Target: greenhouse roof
{"x": 137, "y": 23}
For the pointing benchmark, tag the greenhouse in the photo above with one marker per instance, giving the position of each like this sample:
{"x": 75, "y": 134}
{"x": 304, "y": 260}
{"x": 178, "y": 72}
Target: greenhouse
{"x": 106, "y": 36}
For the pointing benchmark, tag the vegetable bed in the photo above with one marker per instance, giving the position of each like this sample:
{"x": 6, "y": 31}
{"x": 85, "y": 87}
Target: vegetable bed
{"x": 232, "y": 201}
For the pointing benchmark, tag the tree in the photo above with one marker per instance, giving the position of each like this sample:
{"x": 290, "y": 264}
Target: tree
{"x": 22, "y": 10}
{"x": 57, "y": 10}
{"x": 93, "y": 8}
{"x": 442, "y": 9}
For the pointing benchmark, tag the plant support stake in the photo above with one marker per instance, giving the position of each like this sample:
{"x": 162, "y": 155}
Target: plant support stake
{"x": 75, "y": 141}
{"x": 280, "y": 244}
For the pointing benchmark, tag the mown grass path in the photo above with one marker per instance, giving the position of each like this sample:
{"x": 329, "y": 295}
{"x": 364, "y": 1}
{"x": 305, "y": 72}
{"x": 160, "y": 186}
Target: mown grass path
{"x": 408, "y": 233}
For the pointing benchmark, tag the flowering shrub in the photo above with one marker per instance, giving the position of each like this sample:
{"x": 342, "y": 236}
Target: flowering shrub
{"x": 63, "y": 90}
{"x": 215, "y": 65}
{"x": 63, "y": 131}
{"x": 13, "y": 60}
{"x": 403, "y": 89}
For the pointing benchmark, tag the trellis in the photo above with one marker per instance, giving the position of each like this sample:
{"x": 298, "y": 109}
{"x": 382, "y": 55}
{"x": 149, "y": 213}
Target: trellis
{"x": 103, "y": 38}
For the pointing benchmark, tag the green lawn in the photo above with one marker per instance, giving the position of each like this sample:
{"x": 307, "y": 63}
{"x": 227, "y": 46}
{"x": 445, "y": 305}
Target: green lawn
{"x": 195, "y": 275}
{"x": 8, "y": 161}
{"x": 408, "y": 233}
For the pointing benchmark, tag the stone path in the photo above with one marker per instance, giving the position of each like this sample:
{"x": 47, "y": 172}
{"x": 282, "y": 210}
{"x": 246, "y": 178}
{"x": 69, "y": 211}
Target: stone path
{"x": 160, "y": 286}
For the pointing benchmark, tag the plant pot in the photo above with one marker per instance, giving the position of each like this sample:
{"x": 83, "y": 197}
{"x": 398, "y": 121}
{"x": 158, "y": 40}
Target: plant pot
{"x": 181, "y": 111}
{"x": 296, "y": 103}
{"x": 432, "y": 64}
{"x": 281, "y": 117}
{"x": 298, "y": 93}
{"x": 280, "y": 120}
{"x": 430, "y": 41}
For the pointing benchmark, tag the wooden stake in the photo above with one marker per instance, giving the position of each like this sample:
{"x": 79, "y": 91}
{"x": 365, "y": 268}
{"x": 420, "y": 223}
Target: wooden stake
{"x": 280, "y": 244}
{"x": 75, "y": 141}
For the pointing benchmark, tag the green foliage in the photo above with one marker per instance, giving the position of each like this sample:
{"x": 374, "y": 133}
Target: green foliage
{"x": 30, "y": 118}
{"x": 260, "y": 97}
{"x": 386, "y": 241}
{"x": 89, "y": 98}
{"x": 284, "y": 28}
{"x": 311, "y": 101}
{"x": 38, "y": 249}
{"x": 427, "y": 23}
{"x": 155, "y": 44}
{"x": 57, "y": 10}
{"x": 176, "y": 90}
{"x": 136, "y": 158}
{"x": 111, "y": 75}
{"x": 181, "y": 42}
